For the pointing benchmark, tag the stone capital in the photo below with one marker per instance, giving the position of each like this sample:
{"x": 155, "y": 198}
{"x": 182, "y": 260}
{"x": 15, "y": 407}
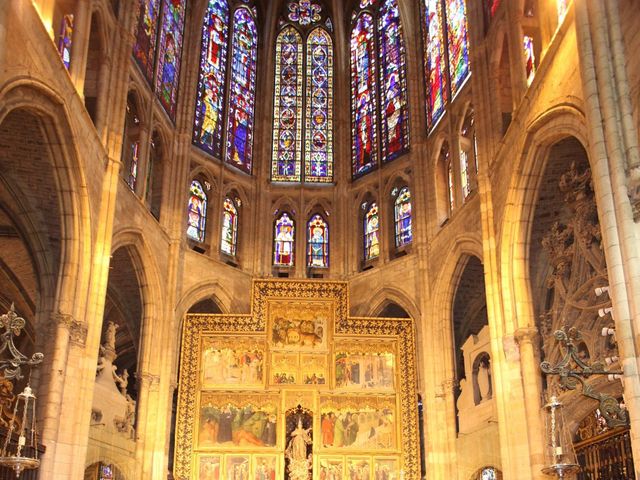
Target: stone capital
{"x": 525, "y": 335}
{"x": 149, "y": 381}
{"x": 76, "y": 329}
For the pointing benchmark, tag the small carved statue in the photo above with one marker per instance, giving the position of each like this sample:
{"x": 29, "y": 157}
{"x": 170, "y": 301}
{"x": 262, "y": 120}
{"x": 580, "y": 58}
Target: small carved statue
{"x": 110, "y": 340}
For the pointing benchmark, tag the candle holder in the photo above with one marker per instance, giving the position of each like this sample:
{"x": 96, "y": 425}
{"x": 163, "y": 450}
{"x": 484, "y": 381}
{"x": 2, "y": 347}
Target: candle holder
{"x": 559, "y": 452}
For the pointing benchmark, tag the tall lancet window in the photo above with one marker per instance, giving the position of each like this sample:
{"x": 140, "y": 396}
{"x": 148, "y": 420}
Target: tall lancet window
{"x": 229, "y": 235}
{"x": 317, "y": 242}
{"x": 371, "y": 232}
{"x": 378, "y": 86}
{"x": 196, "y": 212}
{"x": 228, "y": 55}
{"x": 169, "y": 53}
{"x": 302, "y": 148}
{"x": 446, "y": 53}
{"x": 402, "y": 217}
{"x": 242, "y": 90}
{"x": 208, "y": 121}
{"x": 283, "y": 242}
{"x": 146, "y": 32}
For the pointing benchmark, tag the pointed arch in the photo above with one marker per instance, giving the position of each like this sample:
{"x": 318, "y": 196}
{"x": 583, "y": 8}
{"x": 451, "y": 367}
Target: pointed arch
{"x": 242, "y": 88}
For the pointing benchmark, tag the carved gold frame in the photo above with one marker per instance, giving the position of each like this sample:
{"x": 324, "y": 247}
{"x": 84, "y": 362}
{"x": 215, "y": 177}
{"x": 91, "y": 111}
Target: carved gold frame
{"x": 398, "y": 331}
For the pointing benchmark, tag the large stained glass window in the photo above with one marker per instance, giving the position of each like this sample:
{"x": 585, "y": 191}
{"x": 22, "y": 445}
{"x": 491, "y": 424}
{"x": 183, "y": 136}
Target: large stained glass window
{"x": 364, "y": 129}
{"x": 434, "y": 61}
{"x": 319, "y": 110}
{"x": 65, "y": 39}
{"x": 208, "y": 121}
{"x": 458, "y": 44}
{"x": 402, "y": 217}
{"x": 393, "y": 83}
{"x": 144, "y": 48}
{"x": 317, "y": 242}
{"x": 169, "y": 52}
{"x": 229, "y": 237}
{"x": 284, "y": 241}
{"x": 241, "y": 104}
{"x": 196, "y": 212}
{"x": 446, "y": 53}
{"x": 371, "y": 232}
{"x": 287, "y": 109}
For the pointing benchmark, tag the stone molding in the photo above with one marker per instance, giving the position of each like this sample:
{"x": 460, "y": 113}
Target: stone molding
{"x": 77, "y": 330}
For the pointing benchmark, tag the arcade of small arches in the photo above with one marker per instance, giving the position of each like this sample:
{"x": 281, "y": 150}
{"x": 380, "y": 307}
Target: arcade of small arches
{"x": 468, "y": 165}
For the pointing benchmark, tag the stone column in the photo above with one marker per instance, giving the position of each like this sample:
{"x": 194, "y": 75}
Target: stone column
{"x": 532, "y": 394}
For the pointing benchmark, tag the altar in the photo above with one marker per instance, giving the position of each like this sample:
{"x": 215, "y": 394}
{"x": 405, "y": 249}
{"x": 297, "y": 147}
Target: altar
{"x": 297, "y": 390}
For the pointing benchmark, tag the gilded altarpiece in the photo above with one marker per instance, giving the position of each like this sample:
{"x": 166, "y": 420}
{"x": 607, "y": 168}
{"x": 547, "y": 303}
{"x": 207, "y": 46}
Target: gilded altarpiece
{"x": 297, "y": 390}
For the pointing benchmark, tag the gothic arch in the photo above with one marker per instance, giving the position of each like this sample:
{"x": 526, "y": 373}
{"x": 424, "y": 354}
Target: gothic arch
{"x": 42, "y": 102}
{"x": 545, "y": 131}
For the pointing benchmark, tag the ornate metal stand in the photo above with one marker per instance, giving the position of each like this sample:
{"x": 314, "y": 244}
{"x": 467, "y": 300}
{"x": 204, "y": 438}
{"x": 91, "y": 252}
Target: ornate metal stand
{"x": 24, "y": 455}
{"x": 572, "y": 371}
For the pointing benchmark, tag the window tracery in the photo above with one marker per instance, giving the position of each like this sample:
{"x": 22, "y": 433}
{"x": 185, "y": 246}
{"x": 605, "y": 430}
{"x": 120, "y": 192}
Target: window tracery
{"x": 303, "y": 88}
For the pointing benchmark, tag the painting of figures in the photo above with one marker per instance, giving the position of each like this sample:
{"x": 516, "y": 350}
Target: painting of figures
{"x": 299, "y": 326}
{"x": 358, "y": 469}
{"x": 265, "y": 467}
{"x": 240, "y": 424}
{"x": 210, "y": 468}
{"x": 237, "y": 468}
{"x": 364, "y": 371}
{"x": 232, "y": 362}
{"x": 284, "y": 368}
{"x": 386, "y": 469}
{"x": 313, "y": 369}
{"x": 358, "y": 428}
{"x": 331, "y": 468}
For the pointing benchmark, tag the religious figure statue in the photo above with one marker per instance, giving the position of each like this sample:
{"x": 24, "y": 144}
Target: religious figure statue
{"x": 296, "y": 453}
{"x": 484, "y": 382}
{"x": 110, "y": 341}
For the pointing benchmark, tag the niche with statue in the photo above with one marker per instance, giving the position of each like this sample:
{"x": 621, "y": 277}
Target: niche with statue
{"x": 476, "y": 405}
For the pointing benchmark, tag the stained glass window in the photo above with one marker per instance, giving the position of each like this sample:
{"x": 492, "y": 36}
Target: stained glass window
{"x": 319, "y": 110}
{"x": 134, "y": 158}
{"x": 464, "y": 173}
{"x": 393, "y": 83}
{"x": 284, "y": 241}
{"x": 371, "y": 232}
{"x": 106, "y": 472}
{"x": 488, "y": 474}
{"x": 563, "y": 6}
{"x": 64, "y": 42}
{"x": 402, "y": 217}
{"x": 529, "y": 58}
{"x": 169, "y": 51}
{"x": 287, "y": 109}
{"x": 364, "y": 129}
{"x": 318, "y": 242}
{"x": 229, "y": 238}
{"x": 450, "y": 184}
{"x": 434, "y": 61}
{"x": 196, "y": 212}
{"x": 458, "y": 44}
{"x": 144, "y": 48}
{"x": 244, "y": 51}
{"x": 208, "y": 121}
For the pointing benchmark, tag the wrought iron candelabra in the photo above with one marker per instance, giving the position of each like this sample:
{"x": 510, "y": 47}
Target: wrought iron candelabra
{"x": 24, "y": 455}
{"x": 573, "y": 371}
